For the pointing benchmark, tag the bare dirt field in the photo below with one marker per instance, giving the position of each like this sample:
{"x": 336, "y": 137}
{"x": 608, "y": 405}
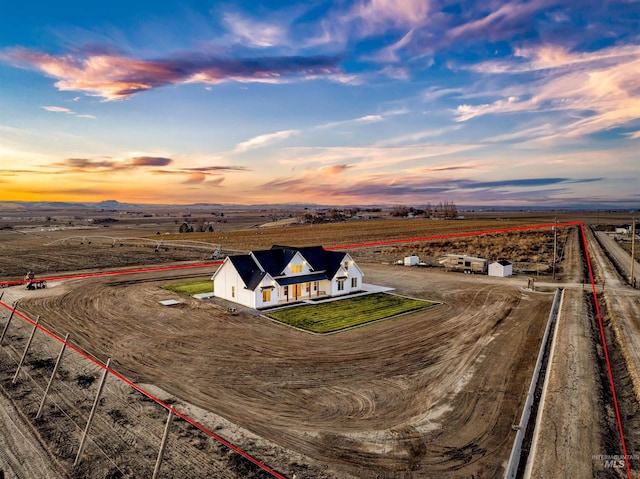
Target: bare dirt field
{"x": 430, "y": 394}
{"x": 434, "y": 392}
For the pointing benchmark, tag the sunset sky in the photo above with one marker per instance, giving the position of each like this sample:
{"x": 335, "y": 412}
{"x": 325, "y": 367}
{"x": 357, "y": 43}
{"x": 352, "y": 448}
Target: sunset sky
{"x": 532, "y": 103}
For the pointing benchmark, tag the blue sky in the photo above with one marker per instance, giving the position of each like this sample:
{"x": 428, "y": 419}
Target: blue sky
{"x": 347, "y": 102}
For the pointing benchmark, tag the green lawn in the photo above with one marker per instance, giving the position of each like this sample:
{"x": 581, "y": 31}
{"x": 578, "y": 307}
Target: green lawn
{"x": 192, "y": 286}
{"x": 346, "y": 313}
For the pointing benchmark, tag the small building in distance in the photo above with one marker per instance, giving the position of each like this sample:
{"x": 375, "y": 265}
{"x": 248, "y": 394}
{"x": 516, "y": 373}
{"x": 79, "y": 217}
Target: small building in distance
{"x": 285, "y": 274}
{"x": 623, "y": 230}
{"x": 468, "y": 264}
{"x": 411, "y": 260}
{"x": 502, "y": 268}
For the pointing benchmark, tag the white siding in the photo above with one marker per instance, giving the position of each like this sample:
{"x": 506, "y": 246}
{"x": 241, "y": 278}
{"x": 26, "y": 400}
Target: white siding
{"x": 266, "y": 282}
{"x": 352, "y": 271}
{"x": 297, "y": 260}
{"x": 496, "y": 269}
{"x": 411, "y": 260}
{"x": 227, "y": 281}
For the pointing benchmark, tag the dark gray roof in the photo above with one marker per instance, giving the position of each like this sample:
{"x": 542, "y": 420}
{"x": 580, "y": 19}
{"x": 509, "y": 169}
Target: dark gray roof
{"x": 319, "y": 258}
{"x": 248, "y": 270}
{"x": 503, "y": 262}
{"x": 273, "y": 261}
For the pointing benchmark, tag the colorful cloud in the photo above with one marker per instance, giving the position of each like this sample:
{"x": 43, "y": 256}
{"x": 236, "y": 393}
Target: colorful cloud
{"x": 117, "y": 77}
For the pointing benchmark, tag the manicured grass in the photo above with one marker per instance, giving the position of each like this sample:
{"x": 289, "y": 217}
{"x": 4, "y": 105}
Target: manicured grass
{"x": 346, "y": 313}
{"x": 192, "y": 286}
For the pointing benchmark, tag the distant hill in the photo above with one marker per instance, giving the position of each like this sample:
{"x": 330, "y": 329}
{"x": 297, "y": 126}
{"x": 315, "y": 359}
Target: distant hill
{"x": 115, "y": 205}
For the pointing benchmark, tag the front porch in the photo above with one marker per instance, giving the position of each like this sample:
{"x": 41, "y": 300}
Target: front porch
{"x": 297, "y": 292}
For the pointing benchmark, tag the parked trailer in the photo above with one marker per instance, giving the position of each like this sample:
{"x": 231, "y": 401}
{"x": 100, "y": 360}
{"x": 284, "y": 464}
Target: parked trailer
{"x": 468, "y": 264}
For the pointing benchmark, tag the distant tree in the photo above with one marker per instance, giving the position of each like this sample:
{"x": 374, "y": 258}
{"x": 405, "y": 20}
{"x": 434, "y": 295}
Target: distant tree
{"x": 184, "y": 228}
{"x": 428, "y": 210}
{"x": 450, "y": 210}
{"x": 334, "y": 214}
{"x": 201, "y": 225}
{"x": 400, "y": 211}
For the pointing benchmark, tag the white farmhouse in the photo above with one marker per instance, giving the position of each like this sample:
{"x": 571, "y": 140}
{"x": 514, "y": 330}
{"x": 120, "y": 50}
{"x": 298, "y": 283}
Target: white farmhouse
{"x": 501, "y": 268}
{"x": 285, "y": 274}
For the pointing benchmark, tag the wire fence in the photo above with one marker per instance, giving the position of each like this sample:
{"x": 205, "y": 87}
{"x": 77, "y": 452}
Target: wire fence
{"x": 130, "y": 433}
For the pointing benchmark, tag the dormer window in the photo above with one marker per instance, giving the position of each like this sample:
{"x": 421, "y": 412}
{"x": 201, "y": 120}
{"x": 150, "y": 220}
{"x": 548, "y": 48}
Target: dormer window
{"x": 296, "y": 268}
{"x": 346, "y": 265}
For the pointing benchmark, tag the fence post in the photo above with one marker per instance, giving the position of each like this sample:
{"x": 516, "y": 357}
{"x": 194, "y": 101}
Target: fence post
{"x": 6, "y": 326}
{"x": 92, "y": 413}
{"x": 53, "y": 374}
{"x": 26, "y": 349}
{"x": 163, "y": 444}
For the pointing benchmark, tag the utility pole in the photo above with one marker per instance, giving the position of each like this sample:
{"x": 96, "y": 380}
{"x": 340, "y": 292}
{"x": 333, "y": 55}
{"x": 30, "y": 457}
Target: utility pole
{"x": 555, "y": 245}
{"x": 633, "y": 249}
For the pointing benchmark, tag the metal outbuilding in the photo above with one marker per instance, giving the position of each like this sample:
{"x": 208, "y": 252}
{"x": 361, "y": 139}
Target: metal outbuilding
{"x": 411, "y": 260}
{"x": 502, "y": 268}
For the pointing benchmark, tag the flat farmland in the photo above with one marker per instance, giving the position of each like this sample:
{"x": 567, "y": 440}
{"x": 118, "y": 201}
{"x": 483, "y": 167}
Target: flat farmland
{"x": 344, "y": 233}
{"x": 45, "y": 252}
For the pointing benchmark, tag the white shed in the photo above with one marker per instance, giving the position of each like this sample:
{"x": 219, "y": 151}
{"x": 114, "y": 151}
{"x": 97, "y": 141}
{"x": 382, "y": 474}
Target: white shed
{"x": 411, "y": 260}
{"x": 501, "y": 268}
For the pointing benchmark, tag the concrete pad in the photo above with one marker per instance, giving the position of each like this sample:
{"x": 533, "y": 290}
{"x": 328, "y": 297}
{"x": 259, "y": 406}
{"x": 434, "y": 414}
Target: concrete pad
{"x": 169, "y": 302}
{"x": 203, "y": 295}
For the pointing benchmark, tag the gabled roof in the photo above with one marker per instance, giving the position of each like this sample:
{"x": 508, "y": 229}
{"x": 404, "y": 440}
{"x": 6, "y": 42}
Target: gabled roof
{"x": 318, "y": 258}
{"x": 253, "y": 267}
{"x": 248, "y": 270}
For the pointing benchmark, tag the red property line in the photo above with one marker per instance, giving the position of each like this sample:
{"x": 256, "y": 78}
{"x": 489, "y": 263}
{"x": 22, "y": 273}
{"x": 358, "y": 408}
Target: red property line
{"x": 218, "y": 438}
{"x": 116, "y": 273}
{"x": 606, "y": 353}
{"x": 453, "y": 235}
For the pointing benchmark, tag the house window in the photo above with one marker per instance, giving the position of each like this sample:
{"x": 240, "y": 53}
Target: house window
{"x": 346, "y": 265}
{"x": 354, "y": 282}
{"x": 307, "y": 287}
{"x": 315, "y": 286}
{"x": 286, "y": 290}
{"x": 233, "y": 291}
{"x": 266, "y": 295}
{"x": 341, "y": 285}
{"x": 296, "y": 268}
